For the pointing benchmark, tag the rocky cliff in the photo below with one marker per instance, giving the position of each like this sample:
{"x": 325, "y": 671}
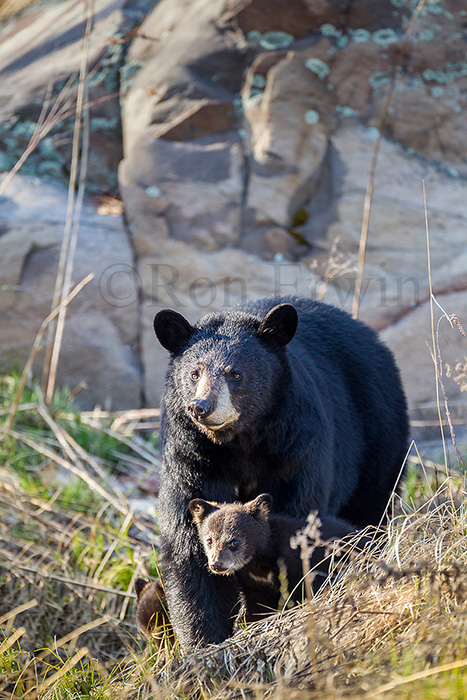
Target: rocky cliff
{"x": 239, "y": 135}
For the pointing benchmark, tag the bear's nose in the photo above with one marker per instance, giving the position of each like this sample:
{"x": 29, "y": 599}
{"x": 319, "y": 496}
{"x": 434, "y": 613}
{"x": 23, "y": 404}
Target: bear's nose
{"x": 200, "y": 408}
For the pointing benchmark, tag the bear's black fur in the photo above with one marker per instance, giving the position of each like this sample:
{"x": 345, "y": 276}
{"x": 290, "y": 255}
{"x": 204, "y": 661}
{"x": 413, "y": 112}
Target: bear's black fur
{"x": 245, "y": 541}
{"x": 317, "y": 418}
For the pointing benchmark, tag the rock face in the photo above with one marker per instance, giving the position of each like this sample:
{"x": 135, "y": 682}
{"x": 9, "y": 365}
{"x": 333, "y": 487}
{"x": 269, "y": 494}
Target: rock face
{"x": 258, "y": 202}
{"x": 249, "y": 131}
{"x": 415, "y": 357}
{"x": 100, "y": 343}
{"x": 40, "y": 57}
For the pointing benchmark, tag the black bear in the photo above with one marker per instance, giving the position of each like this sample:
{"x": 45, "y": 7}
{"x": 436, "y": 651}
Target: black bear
{"x": 244, "y": 540}
{"x": 284, "y": 395}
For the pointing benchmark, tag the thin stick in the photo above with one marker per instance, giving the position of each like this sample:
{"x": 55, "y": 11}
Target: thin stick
{"x": 439, "y": 371}
{"x": 125, "y": 525}
{"x": 374, "y": 159}
{"x": 131, "y": 414}
{"x": 72, "y": 449}
{"x": 378, "y": 528}
{"x": 55, "y": 117}
{"x": 367, "y": 209}
{"x": 9, "y": 641}
{"x": 423, "y": 467}
{"x": 68, "y": 581}
{"x": 126, "y": 601}
{"x": 71, "y": 663}
{"x": 444, "y": 312}
{"x": 433, "y": 339}
{"x": 16, "y": 611}
{"x": 417, "y": 676}
{"x": 70, "y": 235}
{"x": 74, "y": 635}
{"x": 133, "y": 443}
{"x": 36, "y": 345}
{"x": 439, "y": 368}
{"x": 73, "y": 468}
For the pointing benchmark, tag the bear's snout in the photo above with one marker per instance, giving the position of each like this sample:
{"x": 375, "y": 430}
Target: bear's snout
{"x": 211, "y": 408}
{"x": 200, "y": 408}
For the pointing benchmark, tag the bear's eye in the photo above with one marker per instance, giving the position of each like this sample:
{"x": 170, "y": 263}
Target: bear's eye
{"x": 236, "y": 375}
{"x": 233, "y": 544}
{"x": 195, "y": 375}
{"x": 209, "y": 542}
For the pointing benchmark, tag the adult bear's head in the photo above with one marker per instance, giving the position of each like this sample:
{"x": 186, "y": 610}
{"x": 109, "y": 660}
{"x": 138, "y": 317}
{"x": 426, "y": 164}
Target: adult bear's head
{"x": 229, "y": 369}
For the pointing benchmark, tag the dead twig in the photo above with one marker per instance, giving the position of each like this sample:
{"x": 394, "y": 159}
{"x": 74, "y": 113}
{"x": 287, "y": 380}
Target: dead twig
{"x": 74, "y": 468}
{"x": 35, "y": 348}
{"x": 374, "y": 160}
{"x": 74, "y": 207}
{"x": 64, "y": 579}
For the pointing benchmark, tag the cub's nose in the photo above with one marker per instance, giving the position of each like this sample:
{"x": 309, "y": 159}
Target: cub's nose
{"x": 200, "y": 408}
{"x": 218, "y": 566}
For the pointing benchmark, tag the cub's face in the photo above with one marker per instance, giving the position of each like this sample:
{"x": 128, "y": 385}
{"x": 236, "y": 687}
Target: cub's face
{"x": 231, "y": 533}
{"x": 227, "y": 541}
{"x": 226, "y": 371}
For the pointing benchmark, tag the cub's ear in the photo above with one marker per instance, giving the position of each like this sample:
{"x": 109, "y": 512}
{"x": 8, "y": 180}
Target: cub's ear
{"x": 139, "y": 586}
{"x": 200, "y": 509}
{"x": 173, "y": 331}
{"x": 260, "y": 507}
{"x": 279, "y": 325}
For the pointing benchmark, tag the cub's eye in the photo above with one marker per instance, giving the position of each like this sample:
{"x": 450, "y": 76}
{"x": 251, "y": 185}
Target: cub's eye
{"x": 209, "y": 542}
{"x": 233, "y": 544}
{"x": 235, "y": 375}
{"x": 195, "y": 375}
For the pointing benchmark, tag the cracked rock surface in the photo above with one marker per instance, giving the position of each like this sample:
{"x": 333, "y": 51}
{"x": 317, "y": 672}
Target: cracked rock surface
{"x": 245, "y": 131}
{"x": 100, "y": 343}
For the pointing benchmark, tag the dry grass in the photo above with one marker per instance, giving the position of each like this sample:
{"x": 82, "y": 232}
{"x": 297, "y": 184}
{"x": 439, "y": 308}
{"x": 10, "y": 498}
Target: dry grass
{"x": 388, "y": 616}
{"x": 393, "y": 623}
{"x": 70, "y": 544}
{"x": 12, "y": 7}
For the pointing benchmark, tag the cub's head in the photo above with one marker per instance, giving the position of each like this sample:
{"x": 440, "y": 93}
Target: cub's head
{"x": 232, "y": 533}
{"x": 151, "y": 610}
{"x": 227, "y": 369}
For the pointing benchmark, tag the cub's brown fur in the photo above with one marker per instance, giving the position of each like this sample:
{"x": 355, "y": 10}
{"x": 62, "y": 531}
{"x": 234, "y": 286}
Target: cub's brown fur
{"x": 151, "y": 610}
{"x": 244, "y": 540}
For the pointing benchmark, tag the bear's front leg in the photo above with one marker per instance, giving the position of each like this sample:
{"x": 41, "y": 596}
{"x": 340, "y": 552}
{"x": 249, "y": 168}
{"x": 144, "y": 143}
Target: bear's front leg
{"x": 202, "y": 606}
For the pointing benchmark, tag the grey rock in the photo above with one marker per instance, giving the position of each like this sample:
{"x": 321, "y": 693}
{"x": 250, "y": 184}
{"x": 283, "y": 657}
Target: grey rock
{"x": 287, "y": 148}
{"x": 40, "y": 56}
{"x": 199, "y": 185}
{"x": 411, "y": 341}
{"x": 100, "y": 344}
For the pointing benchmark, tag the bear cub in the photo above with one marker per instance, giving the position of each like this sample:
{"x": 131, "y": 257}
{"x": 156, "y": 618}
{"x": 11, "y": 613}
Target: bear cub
{"x": 151, "y": 610}
{"x": 244, "y": 540}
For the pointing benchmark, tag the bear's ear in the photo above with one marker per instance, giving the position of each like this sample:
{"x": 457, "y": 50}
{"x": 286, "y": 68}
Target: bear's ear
{"x": 279, "y": 325}
{"x": 173, "y": 331}
{"x": 260, "y": 507}
{"x": 200, "y": 509}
